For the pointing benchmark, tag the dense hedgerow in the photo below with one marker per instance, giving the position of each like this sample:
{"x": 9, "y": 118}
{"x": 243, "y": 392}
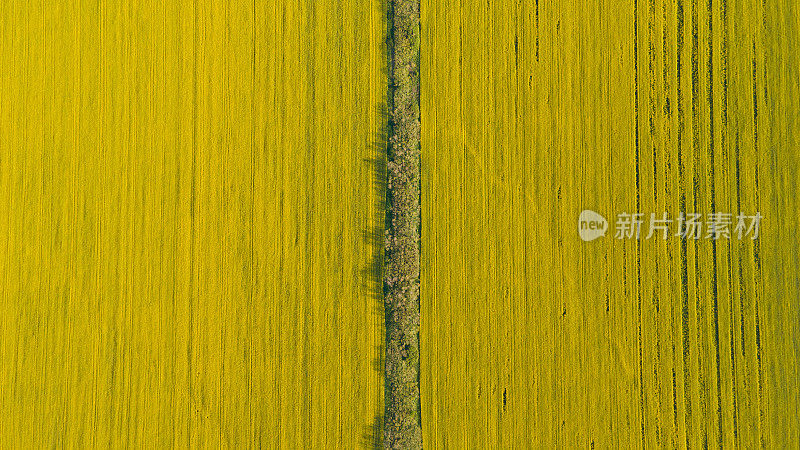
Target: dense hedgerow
{"x": 402, "y": 427}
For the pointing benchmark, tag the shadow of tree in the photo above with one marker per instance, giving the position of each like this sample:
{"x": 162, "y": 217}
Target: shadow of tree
{"x": 372, "y": 272}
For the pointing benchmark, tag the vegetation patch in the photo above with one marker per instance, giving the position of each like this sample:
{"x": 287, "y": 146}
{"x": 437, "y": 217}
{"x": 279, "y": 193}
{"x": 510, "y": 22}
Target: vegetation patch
{"x": 402, "y": 426}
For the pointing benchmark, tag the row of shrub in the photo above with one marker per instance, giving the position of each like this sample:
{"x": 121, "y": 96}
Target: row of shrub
{"x": 402, "y": 427}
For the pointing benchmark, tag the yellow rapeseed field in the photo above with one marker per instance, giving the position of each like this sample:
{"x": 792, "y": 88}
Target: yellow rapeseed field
{"x": 534, "y": 111}
{"x": 192, "y": 217}
{"x": 188, "y": 202}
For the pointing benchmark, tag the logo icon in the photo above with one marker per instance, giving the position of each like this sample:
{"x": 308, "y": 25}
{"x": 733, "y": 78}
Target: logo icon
{"x": 591, "y": 225}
